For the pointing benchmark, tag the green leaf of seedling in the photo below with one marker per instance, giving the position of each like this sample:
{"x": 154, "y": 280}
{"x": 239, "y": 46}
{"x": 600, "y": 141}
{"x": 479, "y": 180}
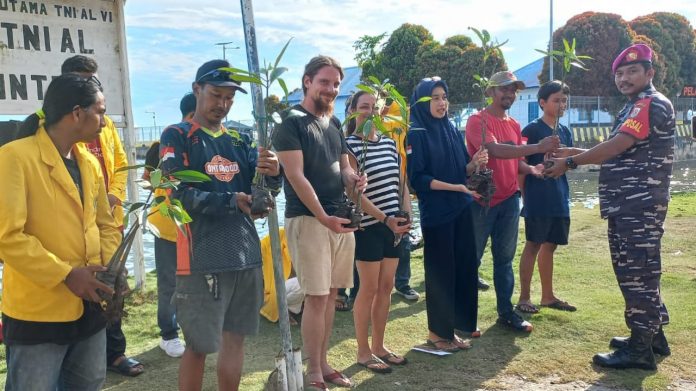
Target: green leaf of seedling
{"x": 282, "y": 52}
{"x": 477, "y": 77}
{"x": 381, "y": 128}
{"x": 404, "y": 114}
{"x": 155, "y": 178}
{"x": 477, "y": 32}
{"x": 167, "y": 185}
{"x": 374, "y": 80}
{"x": 247, "y": 79}
{"x": 544, "y": 52}
{"x": 489, "y": 101}
{"x": 163, "y": 209}
{"x": 350, "y": 117}
{"x": 236, "y": 71}
{"x": 134, "y": 167}
{"x": 424, "y": 99}
{"x": 159, "y": 199}
{"x": 566, "y": 45}
{"x": 282, "y": 84}
{"x": 134, "y": 207}
{"x": 486, "y": 35}
{"x": 126, "y": 218}
{"x": 275, "y": 74}
{"x": 579, "y": 65}
{"x": 367, "y": 89}
{"x": 191, "y": 176}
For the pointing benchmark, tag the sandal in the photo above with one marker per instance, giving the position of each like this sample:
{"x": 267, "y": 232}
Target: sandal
{"x": 389, "y": 359}
{"x": 376, "y": 365}
{"x": 316, "y": 385}
{"x": 334, "y": 378}
{"x": 127, "y": 367}
{"x": 468, "y": 334}
{"x": 450, "y": 349}
{"x": 561, "y": 305}
{"x": 527, "y": 307}
{"x": 461, "y": 343}
{"x": 343, "y": 304}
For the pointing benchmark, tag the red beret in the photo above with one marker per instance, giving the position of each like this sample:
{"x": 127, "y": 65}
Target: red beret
{"x": 635, "y": 53}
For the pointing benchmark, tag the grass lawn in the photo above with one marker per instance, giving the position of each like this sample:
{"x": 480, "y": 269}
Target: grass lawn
{"x": 557, "y": 355}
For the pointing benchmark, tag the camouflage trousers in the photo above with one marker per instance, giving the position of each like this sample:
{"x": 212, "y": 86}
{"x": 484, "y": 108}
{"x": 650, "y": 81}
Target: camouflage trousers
{"x": 634, "y": 243}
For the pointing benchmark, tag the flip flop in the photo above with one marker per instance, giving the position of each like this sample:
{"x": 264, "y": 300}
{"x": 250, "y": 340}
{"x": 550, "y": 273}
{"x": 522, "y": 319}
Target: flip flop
{"x": 373, "y": 365}
{"x": 453, "y": 348}
{"x": 560, "y": 305}
{"x": 463, "y": 345}
{"x": 527, "y": 308}
{"x": 387, "y": 358}
{"x": 335, "y": 376}
{"x": 343, "y": 304}
{"x": 127, "y": 367}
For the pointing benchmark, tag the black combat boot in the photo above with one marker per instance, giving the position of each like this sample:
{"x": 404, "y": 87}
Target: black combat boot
{"x": 659, "y": 344}
{"x": 636, "y": 354}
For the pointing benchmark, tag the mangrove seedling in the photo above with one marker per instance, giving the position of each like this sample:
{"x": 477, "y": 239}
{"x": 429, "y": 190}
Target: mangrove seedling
{"x": 481, "y": 180}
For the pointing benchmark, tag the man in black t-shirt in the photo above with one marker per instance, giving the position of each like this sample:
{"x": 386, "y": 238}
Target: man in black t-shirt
{"x": 314, "y": 156}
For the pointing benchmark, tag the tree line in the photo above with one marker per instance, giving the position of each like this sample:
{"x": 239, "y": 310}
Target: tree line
{"x": 410, "y": 53}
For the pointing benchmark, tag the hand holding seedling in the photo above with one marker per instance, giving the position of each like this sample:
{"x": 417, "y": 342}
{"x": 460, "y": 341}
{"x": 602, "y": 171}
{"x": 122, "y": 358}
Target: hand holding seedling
{"x": 82, "y": 283}
{"x": 267, "y": 163}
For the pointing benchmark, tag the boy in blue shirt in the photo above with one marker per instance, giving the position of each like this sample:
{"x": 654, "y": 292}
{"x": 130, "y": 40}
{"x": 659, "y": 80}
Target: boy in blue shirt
{"x": 546, "y": 209}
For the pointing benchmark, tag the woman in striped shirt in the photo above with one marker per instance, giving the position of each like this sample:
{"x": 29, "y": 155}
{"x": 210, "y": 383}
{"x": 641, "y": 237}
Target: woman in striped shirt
{"x": 377, "y": 256}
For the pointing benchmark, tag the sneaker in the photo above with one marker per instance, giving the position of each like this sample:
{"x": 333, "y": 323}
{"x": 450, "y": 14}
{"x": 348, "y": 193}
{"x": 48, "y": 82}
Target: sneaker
{"x": 173, "y": 347}
{"x": 516, "y": 322}
{"x": 483, "y": 285}
{"x": 408, "y": 293}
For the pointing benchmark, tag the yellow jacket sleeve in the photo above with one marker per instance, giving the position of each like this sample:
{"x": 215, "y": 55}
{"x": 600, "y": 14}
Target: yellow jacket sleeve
{"x": 21, "y": 251}
{"x": 117, "y": 180}
{"x": 109, "y": 234}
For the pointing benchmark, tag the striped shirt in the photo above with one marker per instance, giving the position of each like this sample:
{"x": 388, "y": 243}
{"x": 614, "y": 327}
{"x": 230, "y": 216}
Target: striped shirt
{"x": 382, "y": 169}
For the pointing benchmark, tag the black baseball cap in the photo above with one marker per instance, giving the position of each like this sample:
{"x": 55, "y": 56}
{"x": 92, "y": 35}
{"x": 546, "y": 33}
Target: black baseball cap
{"x": 211, "y": 73}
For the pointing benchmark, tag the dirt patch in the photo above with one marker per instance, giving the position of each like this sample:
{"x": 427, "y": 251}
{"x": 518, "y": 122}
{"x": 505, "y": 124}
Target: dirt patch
{"x": 554, "y": 383}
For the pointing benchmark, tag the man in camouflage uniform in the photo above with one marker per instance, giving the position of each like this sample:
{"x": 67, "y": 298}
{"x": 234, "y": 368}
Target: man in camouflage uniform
{"x": 634, "y": 193}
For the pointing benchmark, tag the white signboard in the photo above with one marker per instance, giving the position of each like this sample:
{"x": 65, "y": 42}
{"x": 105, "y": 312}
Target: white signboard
{"x": 37, "y": 36}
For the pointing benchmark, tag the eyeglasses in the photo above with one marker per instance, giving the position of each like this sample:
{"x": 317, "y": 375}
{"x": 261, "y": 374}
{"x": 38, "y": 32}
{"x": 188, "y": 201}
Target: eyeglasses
{"x": 94, "y": 80}
{"x": 216, "y": 75}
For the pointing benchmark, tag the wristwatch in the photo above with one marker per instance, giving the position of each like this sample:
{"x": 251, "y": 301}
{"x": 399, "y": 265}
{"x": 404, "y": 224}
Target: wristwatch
{"x": 570, "y": 163}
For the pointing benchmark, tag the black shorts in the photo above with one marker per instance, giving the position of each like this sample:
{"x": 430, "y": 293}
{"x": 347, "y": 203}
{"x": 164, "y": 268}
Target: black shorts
{"x": 376, "y": 242}
{"x": 547, "y": 229}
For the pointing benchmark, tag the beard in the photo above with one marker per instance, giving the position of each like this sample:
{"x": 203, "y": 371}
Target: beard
{"x": 322, "y": 107}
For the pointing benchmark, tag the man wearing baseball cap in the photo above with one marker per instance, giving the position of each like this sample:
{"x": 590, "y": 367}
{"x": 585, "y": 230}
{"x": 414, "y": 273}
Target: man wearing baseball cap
{"x": 219, "y": 284}
{"x": 503, "y": 139}
{"x": 633, "y": 192}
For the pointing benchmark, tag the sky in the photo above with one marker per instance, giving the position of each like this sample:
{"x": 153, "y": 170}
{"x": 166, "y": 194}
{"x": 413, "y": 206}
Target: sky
{"x": 169, "y": 39}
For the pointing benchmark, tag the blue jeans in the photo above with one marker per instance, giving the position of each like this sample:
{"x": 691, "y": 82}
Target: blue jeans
{"x": 51, "y": 367}
{"x": 165, "y": 263}
{"x": 501, "y": 224}
{"x": 403, "y": 270}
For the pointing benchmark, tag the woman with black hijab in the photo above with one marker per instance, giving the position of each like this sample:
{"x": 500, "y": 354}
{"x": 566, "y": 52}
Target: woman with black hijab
{"x": 438, "y": 166}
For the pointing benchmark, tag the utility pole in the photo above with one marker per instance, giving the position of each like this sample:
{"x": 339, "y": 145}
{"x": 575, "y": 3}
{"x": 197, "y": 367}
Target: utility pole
{"x": 224, "y": 48}
{"x": 550, "y": 40}
{"x": 154, "y": 118}
{"x": 289, "y": 369}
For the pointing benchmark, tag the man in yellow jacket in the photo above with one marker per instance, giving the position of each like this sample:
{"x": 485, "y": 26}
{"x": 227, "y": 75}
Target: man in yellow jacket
{"x": 56, "y": 230}
{"x": 109, "y": 152}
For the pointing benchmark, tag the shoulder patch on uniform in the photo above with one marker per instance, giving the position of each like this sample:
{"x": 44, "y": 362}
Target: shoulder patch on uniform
{"x": 637, "y": 124}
